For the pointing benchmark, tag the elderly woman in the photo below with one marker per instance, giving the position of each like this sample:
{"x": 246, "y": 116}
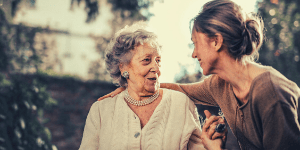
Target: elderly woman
{"x": 260, "y": 105}
{"x": 144, "y": 116}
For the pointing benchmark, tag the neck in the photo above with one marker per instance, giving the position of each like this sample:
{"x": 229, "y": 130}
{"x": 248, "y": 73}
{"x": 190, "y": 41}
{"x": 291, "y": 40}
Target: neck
{"x": 139, "y": 95}
{"x": 237, "y": 75}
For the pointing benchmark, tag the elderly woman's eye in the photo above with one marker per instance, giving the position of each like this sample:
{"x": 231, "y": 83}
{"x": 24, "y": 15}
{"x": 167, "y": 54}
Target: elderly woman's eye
{"x": 147, "y": 59}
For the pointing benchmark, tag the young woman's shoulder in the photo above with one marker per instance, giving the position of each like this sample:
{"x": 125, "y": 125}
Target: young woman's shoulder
{"x": 278, "y": 82}
{"x": 272, "y": 86}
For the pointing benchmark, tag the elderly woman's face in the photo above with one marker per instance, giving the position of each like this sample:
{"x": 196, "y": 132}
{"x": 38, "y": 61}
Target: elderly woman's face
{"x": 144, "y": 69}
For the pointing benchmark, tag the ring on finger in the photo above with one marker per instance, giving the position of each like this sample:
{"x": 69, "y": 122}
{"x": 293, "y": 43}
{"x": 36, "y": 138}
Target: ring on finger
{"x": 220, "y": 128}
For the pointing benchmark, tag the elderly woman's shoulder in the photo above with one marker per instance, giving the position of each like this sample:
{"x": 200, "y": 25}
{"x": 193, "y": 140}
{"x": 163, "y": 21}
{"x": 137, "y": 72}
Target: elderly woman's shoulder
{"x": 170, "y": 91}
{"x": 105, "y": 103}
{"x": 178, "y": 99}
{"x": 174, "y": 94}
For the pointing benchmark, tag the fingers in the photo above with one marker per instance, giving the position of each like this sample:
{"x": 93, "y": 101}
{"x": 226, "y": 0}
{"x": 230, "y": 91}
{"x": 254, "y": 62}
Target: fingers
{"x": 221, "y": 120}
{"x": 210, "y": 138}
{"x": 117, "y": 91}
{"x": 207, "y": 113}
{"x": 217, "y": 135}
{"x": 204, "y": 139}
{"x": 224, "y": 138}
{"x": 214, "y": 133}
{"x": 112, "y": 94}
{"x": 103, "y": 97}
{"x": 211, "y": 130}
{"x": 210, "y": 121}
{"x": 210, "y": 144}
{"x": 210, "y": 124}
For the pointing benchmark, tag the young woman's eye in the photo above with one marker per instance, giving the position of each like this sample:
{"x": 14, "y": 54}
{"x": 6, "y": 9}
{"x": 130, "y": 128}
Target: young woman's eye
{"x": 192, "y": 45}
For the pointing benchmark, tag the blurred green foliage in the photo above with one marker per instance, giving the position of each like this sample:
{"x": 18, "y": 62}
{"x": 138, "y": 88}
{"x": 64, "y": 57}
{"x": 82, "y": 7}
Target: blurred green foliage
{"x": 281, "y": 49}
{"x": 133, "y": 6}
{"x": 21, "y": 101}
{"x": 25, "y": 101}
{"x": 21, "y": 114}
{"x": 91, "y": 8}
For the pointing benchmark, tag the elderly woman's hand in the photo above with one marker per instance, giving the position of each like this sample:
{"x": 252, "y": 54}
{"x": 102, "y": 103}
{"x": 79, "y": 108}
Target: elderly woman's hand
{"x": 211, "y": 144}
{"x": 112, "y": 94}
{"x": 210, "y": 137}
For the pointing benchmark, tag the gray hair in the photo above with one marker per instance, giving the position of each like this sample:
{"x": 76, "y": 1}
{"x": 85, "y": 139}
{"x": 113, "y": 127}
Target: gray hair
{"x": 121, "y": 46}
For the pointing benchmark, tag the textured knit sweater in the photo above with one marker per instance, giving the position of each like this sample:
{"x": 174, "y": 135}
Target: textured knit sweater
{"x": 112, "y": 125}
{"x": 268, "y": 120}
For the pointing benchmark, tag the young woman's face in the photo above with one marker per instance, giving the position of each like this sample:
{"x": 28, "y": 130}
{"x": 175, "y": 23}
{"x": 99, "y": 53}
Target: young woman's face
{"x": 144, "y": 69}
{"x": 204, "y": 51}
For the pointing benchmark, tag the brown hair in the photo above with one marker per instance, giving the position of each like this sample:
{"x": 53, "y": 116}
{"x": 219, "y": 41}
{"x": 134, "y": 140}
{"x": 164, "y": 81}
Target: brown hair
{"x": 242, "y": 33}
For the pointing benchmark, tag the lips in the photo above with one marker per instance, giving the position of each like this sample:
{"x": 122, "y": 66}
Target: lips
{"x": 153, "y": 78}
{"x": 199, "y": 60}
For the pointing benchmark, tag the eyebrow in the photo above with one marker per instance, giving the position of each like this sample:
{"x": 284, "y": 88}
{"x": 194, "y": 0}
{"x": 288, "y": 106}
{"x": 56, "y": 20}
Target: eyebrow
{"x": 145, "y": 55}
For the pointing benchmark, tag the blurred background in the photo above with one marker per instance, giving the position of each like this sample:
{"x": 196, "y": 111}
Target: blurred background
{"x": 52, "y": 58}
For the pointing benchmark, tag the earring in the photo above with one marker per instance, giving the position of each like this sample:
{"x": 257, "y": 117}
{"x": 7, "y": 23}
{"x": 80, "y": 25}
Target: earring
{"x": 125, "y": 74}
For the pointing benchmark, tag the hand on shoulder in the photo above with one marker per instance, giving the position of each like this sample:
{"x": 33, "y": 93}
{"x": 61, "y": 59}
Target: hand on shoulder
{"x": 112, "y": 94}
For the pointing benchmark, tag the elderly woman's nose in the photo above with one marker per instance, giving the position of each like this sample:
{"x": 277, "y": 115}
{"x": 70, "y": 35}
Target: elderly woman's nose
{"x": 155, "y": 66}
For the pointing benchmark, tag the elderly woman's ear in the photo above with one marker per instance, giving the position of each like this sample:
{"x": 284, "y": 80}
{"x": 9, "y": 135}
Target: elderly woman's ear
{"x": 124, "y": 71}
{"x": 123, "y": 68}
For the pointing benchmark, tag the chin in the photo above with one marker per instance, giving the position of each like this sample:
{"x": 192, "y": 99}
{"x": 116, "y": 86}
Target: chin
{"x": 205, "y": 73}
{"x": 152, "y": 89}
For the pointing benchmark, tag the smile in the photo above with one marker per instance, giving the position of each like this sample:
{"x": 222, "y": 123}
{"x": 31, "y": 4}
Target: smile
{"x": 153, "y": 79}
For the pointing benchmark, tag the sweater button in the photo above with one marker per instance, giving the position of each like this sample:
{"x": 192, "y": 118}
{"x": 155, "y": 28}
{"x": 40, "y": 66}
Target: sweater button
{"x": 137, "y": 134}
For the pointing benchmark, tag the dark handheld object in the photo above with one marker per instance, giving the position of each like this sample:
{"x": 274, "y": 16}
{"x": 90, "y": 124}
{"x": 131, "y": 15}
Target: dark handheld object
{"x": 220, "y": 128}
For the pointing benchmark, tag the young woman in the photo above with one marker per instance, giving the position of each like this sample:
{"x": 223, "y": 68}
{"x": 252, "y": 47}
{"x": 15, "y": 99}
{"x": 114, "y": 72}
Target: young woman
{"x": 260, "y": 105}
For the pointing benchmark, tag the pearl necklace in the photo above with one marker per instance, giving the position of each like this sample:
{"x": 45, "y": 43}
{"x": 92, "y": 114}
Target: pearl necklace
{"x": 132, "y": 101}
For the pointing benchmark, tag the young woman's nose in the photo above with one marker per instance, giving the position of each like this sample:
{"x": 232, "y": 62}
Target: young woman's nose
{"x": 194, "y": 54}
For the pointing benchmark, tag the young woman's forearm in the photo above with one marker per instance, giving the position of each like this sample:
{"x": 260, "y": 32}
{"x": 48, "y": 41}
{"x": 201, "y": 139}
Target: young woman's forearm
{"x": 172, "y": 86}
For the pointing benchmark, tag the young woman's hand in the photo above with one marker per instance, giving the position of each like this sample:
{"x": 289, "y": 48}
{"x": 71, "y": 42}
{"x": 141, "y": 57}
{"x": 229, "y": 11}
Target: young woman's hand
{"x": 112, "y": 94}
{"x": 211, "y": 122}
{"x": 210, "y": 137}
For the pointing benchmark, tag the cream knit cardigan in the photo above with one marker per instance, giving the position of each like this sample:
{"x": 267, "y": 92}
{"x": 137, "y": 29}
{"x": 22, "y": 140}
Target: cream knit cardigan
{"x": 112, "y": 125}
